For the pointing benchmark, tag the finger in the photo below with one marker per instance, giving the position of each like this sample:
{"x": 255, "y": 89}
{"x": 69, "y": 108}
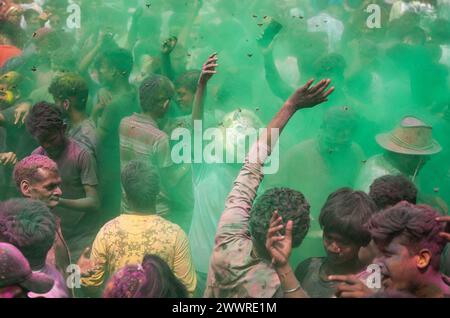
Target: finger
{"x": 288, "y": 231}
{"x": 346, "y": 287}
{"x": 209, "y": 72}
{"x": 273, "y": 230}
{"x": 307, "y": 85}
{"x": 16, "y": 118}
{"x": 349, "y": 295}
{"x": 329, "y": 92}
{"x": 319, "y": 88}
{"x": 316, "y": 87}
{"x": 349, "y": 279}
{"x": 445, "y": 235}
{"x": 443, "y": 219}
{"x": 274, "y": 217}
{"x": 213, "y": 55}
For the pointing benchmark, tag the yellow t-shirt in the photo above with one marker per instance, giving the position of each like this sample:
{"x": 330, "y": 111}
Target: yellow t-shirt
{"x": 126, "y": 239}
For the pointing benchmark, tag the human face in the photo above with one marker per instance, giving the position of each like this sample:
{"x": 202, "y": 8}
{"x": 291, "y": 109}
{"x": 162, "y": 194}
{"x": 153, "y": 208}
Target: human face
{"x": 53, "y": 143}
{"x": 185, "y": 99}
{"x": 339, "y": 249}
{"x": 399, "y": 266}
{"x": 105, "y": 74}
{"x": 46, "y": 188}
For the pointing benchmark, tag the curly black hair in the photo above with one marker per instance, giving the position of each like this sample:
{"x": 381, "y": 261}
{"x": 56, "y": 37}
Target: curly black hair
{"x": 389, "y": 190}
{"x": 119, "y": 59}
{"x": 291, "y": 206}
{"x": 44, "y": 118}
{"x": 189, "y": 80}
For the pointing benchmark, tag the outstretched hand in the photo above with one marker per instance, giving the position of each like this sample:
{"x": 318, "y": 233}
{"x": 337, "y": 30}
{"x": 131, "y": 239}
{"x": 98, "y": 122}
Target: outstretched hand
{"x": 209, "y": 69}
{"x": 8, "y": 158}
{"x": 351, "y": 287}
{"x": 279, "y": 246}
{"x": 169, "y": 45}
{"x": 307, "y": 96}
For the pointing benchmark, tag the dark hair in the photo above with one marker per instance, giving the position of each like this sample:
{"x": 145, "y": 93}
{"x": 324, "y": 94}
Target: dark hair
{"x": 415, "y": 224}
{"x": 44, "y": 118}
{"x": 70, "y": 85}
{"x": 30, "y": 226}
{"x": 291, "y": 206}
{"x": 346, "y": 212}
{"x": 189, "y": 80}
{"x": 140, "y": 182}
{"x": 119, "y": 59}
{"x": 389, "y": 190}
{"x": 153, "y": 90}
{"x": 154, "y": 279}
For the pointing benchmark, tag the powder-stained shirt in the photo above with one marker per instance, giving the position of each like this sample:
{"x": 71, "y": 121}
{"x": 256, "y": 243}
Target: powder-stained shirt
{"x": 85, "y": 134}
{"x": 128, "y": 238}
{"x": 77, "y": 168}
{"x": 141, "y": 139}
{"x": 235, "y": 271}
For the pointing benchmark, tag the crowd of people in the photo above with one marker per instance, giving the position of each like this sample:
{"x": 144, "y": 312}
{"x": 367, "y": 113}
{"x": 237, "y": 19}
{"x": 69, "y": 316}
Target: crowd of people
{"x": 94, "y": 201}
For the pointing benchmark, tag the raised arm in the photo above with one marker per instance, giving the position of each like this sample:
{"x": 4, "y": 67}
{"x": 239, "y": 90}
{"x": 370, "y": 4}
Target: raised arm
{"x": 208, "y": 71}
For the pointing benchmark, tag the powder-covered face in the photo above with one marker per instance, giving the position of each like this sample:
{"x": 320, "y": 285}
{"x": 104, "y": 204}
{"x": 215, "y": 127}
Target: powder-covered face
{"x": 47, "y": 188}
{"x": 339, "y": 248}
{"x": 185, "y": 99}
{"x": 399, "y": 266}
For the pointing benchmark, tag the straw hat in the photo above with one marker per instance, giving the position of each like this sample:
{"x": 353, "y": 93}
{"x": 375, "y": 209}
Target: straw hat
{"x": 411, "y": 137}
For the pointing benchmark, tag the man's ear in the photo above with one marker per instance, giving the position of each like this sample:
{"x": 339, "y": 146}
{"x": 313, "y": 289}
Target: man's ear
{"x": 423, "y": 258}
{"x": 66, "y": 104}
{"x": 25, "y": 188}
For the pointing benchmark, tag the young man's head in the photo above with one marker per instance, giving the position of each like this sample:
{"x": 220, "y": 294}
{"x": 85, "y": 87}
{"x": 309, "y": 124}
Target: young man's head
{"x": 37, "y": 177}
{"x": 409, "y": 245}
{"x": 342, "y": 219}
{"x": 45, "y": 123}
{"x": 155, "y": 94}
{"x": 70, "y": 92}
{"x": 30, "y": 226}
{"x": 114, "y": 66}
{"x": 186, "y": 86}
{"x": 338, "y": 127}
{"x": 291, "y": 206}
{"x": 389, "y": 190}
{"x": 140, "y": 182}
{"x": 153, "y": 279}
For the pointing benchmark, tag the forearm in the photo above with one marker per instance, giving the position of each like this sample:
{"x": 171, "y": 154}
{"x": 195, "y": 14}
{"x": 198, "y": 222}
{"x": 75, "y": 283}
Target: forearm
{"x": 199, "y": 102}
{"x": 166, "y": 65}
{"x": 289, "y": 283}
{"x": 87, "y": 60}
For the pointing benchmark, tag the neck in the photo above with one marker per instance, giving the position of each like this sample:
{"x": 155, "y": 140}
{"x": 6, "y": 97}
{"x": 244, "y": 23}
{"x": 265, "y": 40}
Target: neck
{"x": 431, "y": 285}
{"x": 398, "y": 163}
{"x": 351, "y": 267}
{"x": 77, "y": 117}
{"x": 150, "y": 211}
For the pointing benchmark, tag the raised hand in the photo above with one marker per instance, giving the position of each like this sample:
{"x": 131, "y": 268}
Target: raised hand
{"x": 169, "y": 45}
{"x": 21, "y": 113}
{"x": 279, "y": 246}
{"x": 307, "y": 96}
{"x": 209, "y": 69}
{"x": 8, "y": 158}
